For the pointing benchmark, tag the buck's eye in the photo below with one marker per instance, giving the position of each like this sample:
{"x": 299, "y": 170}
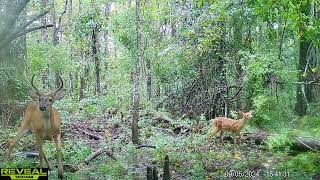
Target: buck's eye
{"x": 50, "y": 99}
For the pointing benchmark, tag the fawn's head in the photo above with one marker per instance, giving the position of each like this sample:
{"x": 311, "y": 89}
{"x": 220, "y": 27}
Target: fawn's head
{"x": 45, "y": 101}
{"x": 246, "y": 115}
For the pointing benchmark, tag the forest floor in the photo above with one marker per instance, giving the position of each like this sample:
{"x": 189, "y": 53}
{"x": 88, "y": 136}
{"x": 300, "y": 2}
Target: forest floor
{"x": 190, "y": 153}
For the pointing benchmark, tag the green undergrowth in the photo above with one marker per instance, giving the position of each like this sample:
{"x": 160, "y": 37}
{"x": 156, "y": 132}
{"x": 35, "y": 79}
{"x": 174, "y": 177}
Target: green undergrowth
{"x": 189, "y": 154}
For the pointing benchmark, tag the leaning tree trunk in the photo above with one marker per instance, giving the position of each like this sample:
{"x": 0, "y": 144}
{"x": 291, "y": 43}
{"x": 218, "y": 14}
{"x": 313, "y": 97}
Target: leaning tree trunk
{"x": 136, "y": 83}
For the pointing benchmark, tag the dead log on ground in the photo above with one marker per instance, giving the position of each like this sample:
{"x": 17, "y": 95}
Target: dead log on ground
{"x": 97, "y": 153}
{"x": 300, "y": 144}
{"x": 305, "y": 144}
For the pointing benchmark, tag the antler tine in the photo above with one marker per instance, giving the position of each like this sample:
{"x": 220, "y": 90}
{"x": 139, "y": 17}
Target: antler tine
{"x": 34, "y": 87}
{"x": 61, "y": 85}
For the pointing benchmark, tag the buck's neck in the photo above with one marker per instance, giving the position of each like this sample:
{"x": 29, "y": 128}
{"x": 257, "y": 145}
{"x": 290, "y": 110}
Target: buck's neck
{"x": 47, "y": 118}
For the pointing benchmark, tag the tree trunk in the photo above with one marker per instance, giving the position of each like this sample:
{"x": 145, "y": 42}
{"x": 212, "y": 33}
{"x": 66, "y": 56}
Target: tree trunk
{"x": 173, "y": 19}
{"x": 55, "y": 41}
{"x": 70, "y": 10}
{"x": 82, "y": 87}
{"x": 80, "y": 7}
{"x": 70, "y": 83}
{"x": 304, "y": 91}
{"x": 159, "y": 89}
{"x": 83, "y": 76}
{"x": 301, "y": 104}
{"x": 166, "y": 169}
{"x": 136, "y": 83}
{"x": 106, "y": 12}
{"x": 44, "y": 21}
{"x": 55, "y": 37}
{"x": 96, "y": 60}
{"x": 149, "y": 80}
{"x": 83, "y": 82}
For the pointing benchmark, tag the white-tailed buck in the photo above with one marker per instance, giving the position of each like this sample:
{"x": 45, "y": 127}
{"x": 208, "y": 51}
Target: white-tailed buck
{"x": 44, "y": 121}
{"x": 222, "y": 124}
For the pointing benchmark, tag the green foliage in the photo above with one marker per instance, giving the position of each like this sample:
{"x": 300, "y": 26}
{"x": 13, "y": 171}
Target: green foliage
{"x": 281, "y": 141}
{"x": 114, "y": 170}
{"x": 309, "y": 126}
{"x": 73, "y": 152}
{"x": 304, "y": 163}
{"x": 198, "y": 171}
{"x": 83, "y": 26}
{"x": 40, "y": 55}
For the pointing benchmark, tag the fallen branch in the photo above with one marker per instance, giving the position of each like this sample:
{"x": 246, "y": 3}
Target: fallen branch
{"x": 91, "y": 135}
{"x": 308, "y": 83}
{"x": 97, "y": 153}
{"x": 83, "y": 126}
{"x": 146, "y": 146}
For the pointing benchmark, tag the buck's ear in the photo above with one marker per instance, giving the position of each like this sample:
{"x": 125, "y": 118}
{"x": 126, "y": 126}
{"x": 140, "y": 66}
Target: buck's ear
{"x": 59, "y": 95}
{"x": 33, "y": 94}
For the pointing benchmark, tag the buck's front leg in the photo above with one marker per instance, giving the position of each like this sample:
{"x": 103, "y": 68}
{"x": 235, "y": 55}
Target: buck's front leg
{"x": 22, "y": 131}
{"x": 57, "y": 141}
{"x": 40, "y": 147}
{"x": 47, "y": 162}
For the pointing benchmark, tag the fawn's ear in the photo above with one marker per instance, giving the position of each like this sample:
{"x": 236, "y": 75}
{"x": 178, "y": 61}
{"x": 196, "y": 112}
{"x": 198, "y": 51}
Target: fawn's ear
{"x": 240, "y": 112}
{"x": 250, "y": 112}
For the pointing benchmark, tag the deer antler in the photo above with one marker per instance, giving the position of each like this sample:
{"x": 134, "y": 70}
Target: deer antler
{"x": 61, "y": 85}
{"x": 34, "y": 87}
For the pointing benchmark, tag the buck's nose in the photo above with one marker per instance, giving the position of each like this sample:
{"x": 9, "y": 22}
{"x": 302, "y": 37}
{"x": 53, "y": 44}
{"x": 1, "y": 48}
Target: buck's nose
{"x": 42, "y": 108}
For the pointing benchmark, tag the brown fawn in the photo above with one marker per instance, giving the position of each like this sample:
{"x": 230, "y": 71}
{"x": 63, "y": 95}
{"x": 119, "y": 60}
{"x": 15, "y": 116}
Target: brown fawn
{"x": 222, "y": 124}
{"x": 44, "y": 121}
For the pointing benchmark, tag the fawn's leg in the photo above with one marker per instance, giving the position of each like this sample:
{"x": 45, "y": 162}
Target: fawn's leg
{"x": 213, "y": 132}
{"x": 241, "y": 138}
{"x": 221, "y": 137}
{"x": 234, "y": 135}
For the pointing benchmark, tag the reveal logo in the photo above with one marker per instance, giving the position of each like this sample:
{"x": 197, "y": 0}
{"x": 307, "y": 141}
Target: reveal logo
{"x": 23, "y": 173}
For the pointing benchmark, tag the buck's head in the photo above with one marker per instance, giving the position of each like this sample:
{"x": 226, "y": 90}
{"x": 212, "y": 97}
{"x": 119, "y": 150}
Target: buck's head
{"x": 246, "y": 115}
{"x": 45, "y": 101}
